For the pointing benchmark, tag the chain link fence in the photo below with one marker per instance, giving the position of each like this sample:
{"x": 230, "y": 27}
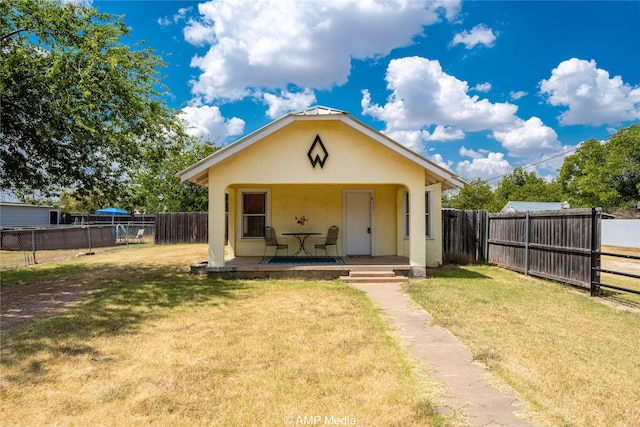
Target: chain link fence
{"x": 21, "y": 247}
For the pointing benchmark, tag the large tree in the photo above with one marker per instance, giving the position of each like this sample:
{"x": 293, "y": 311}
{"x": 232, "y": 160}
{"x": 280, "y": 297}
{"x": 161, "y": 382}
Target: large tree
{"x": 78, "y": 106}
{"x": 527, "y": 187}
{"x": 605, "y": 174}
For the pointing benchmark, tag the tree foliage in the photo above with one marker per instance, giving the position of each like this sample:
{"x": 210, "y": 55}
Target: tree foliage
{"x": 152, "y": 186}
{"x": 78, "y": 106}
{"x": 605, "y": 174}
{"x": 526, "y": 187}
{"x": 156, "y": 187}
{"x": 476, "y": 194}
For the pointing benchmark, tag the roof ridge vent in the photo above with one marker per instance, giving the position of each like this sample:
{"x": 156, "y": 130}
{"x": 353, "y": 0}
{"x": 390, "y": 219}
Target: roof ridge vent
{"x": 319, "y": 110}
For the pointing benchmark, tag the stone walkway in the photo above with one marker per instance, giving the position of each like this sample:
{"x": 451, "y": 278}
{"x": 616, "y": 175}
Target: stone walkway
{"x": 468, "y": 390}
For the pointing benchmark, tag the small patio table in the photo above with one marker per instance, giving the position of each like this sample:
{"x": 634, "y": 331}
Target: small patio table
{"x": 302, "y": 237}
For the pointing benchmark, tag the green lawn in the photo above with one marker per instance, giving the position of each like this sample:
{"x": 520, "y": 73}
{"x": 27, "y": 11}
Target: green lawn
{"x": 573, "y": 358}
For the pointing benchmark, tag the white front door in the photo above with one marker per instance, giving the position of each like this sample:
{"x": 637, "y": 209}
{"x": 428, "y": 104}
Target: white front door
{"x": 357, "y": 222}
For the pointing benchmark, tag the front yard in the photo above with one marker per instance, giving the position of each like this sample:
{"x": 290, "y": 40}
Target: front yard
{"x": 129, "y": 338}
{"x": 149, "y": 344}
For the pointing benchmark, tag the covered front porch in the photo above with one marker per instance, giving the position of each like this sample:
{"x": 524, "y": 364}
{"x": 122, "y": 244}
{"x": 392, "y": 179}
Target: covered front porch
{"x": 373, "y": 222}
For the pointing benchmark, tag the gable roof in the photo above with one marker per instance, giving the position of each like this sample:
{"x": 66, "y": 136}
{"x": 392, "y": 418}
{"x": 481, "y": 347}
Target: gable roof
{"x": 26, "y": 205}
{"x": 198, "y": 172}
{"x": 534, "y": 206}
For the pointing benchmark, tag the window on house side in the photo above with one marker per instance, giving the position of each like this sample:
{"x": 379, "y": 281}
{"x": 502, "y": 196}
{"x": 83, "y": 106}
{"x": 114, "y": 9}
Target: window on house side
{"x": 254, "y": 214}
{"x": 428, "y": 198}
{"x": 428, "y": 202}
{"x": 406, "y": 214}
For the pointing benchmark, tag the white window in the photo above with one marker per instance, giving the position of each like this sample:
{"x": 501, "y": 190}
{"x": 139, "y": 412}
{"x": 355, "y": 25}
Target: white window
{"x": 428, "y": 203}
{"x": 406, "y": 214}
{"x": 254, "y": 212}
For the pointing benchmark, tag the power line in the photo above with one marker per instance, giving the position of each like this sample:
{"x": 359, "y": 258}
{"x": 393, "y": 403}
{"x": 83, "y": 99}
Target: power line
{"x": 564, "y": 153}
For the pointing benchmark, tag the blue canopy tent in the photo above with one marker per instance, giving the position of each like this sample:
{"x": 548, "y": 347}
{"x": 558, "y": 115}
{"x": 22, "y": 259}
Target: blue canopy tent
{"x": 113, "y": 212}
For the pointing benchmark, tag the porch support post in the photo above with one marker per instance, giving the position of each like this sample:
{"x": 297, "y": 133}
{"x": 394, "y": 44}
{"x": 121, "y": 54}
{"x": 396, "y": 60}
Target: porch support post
{"x": 216, "y": 223}
{"x": 418, "y": 251}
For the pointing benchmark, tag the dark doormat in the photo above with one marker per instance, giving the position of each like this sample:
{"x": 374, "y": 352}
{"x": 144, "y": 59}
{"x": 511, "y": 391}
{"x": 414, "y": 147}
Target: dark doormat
{"x": 303, "y": 260}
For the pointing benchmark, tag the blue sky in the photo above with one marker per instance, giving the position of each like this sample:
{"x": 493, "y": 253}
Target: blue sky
{"x": 478, "y": 87}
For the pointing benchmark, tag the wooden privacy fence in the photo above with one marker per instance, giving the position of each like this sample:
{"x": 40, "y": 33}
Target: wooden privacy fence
{"x": 182, "y": 227}
{"x": 556, "y": 245}
{"x": 464, "y": 236}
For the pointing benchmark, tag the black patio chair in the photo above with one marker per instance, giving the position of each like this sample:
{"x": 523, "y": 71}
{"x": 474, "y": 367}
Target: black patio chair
{"x": 330, "y": 240}
{"x": 271, "y": 240}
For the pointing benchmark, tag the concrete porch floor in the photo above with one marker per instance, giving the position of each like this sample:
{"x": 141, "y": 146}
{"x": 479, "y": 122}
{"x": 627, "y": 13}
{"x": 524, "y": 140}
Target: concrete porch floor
{"x": 250, "y": 268}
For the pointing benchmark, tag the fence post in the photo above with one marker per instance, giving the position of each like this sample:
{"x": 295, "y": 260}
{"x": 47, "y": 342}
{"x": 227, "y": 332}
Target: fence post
{"x": 595, "y": 285}
{"x": 89, "y": 237}
{"x": 486, "y": 237}
{"x": 527, "y": 218}
{"x": 33, "y": 245}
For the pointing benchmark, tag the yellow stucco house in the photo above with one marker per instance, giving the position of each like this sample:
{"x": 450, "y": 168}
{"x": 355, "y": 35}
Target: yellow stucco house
{"x": 324, "y": 164}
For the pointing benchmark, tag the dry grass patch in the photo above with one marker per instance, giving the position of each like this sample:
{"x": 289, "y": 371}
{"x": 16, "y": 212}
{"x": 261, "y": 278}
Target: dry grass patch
{"x": 155, "y": 346}
{"x": 20, "y": 259}
{"x": 574, "y": 360}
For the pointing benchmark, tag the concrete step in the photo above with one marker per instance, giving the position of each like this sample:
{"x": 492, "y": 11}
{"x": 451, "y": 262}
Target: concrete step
{"x": 397, "y": 279}
{"x": 371, "y": 273}
{"x": 373, "y": 277}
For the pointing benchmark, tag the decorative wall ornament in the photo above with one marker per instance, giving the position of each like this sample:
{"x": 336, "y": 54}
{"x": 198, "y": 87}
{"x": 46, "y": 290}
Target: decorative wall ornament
{"x": 320, "y": 152}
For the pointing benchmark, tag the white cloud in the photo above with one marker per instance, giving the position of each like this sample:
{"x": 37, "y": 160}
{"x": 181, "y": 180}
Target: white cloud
{"x": 517, "y": 95}
{"x": 422, "y": 94}
{"x": 199, "y": 34}
{"x": 412, "y": 139}
{"x": 526, "y": 138}
{"x": 427, "y": 104}
{"x": 165, "y": 21}
{"x": 287, "y": 102}
{"x": 182, "y": 13}
{"x": 207, "y": 122}
{"x": 494, "y": 164}
{"x": 271, "y": 44}
{"x": 439, "y": 160}
{"x": 592, "y": 97}
{"x": 467, "y": 152}
{"x": 479, "y": 34}
{"x": 446, "y": 133}
{"x": 482, "y": 87}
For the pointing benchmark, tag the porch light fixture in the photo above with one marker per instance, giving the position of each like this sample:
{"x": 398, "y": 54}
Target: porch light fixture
{"x": 320, "y": 152}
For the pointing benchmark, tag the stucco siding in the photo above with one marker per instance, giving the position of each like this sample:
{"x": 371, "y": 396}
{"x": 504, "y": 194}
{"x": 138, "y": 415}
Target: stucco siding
{"x": 281, "y": 158}
{"x": 385, "y": 220}
{"x": 434, "y": 244}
